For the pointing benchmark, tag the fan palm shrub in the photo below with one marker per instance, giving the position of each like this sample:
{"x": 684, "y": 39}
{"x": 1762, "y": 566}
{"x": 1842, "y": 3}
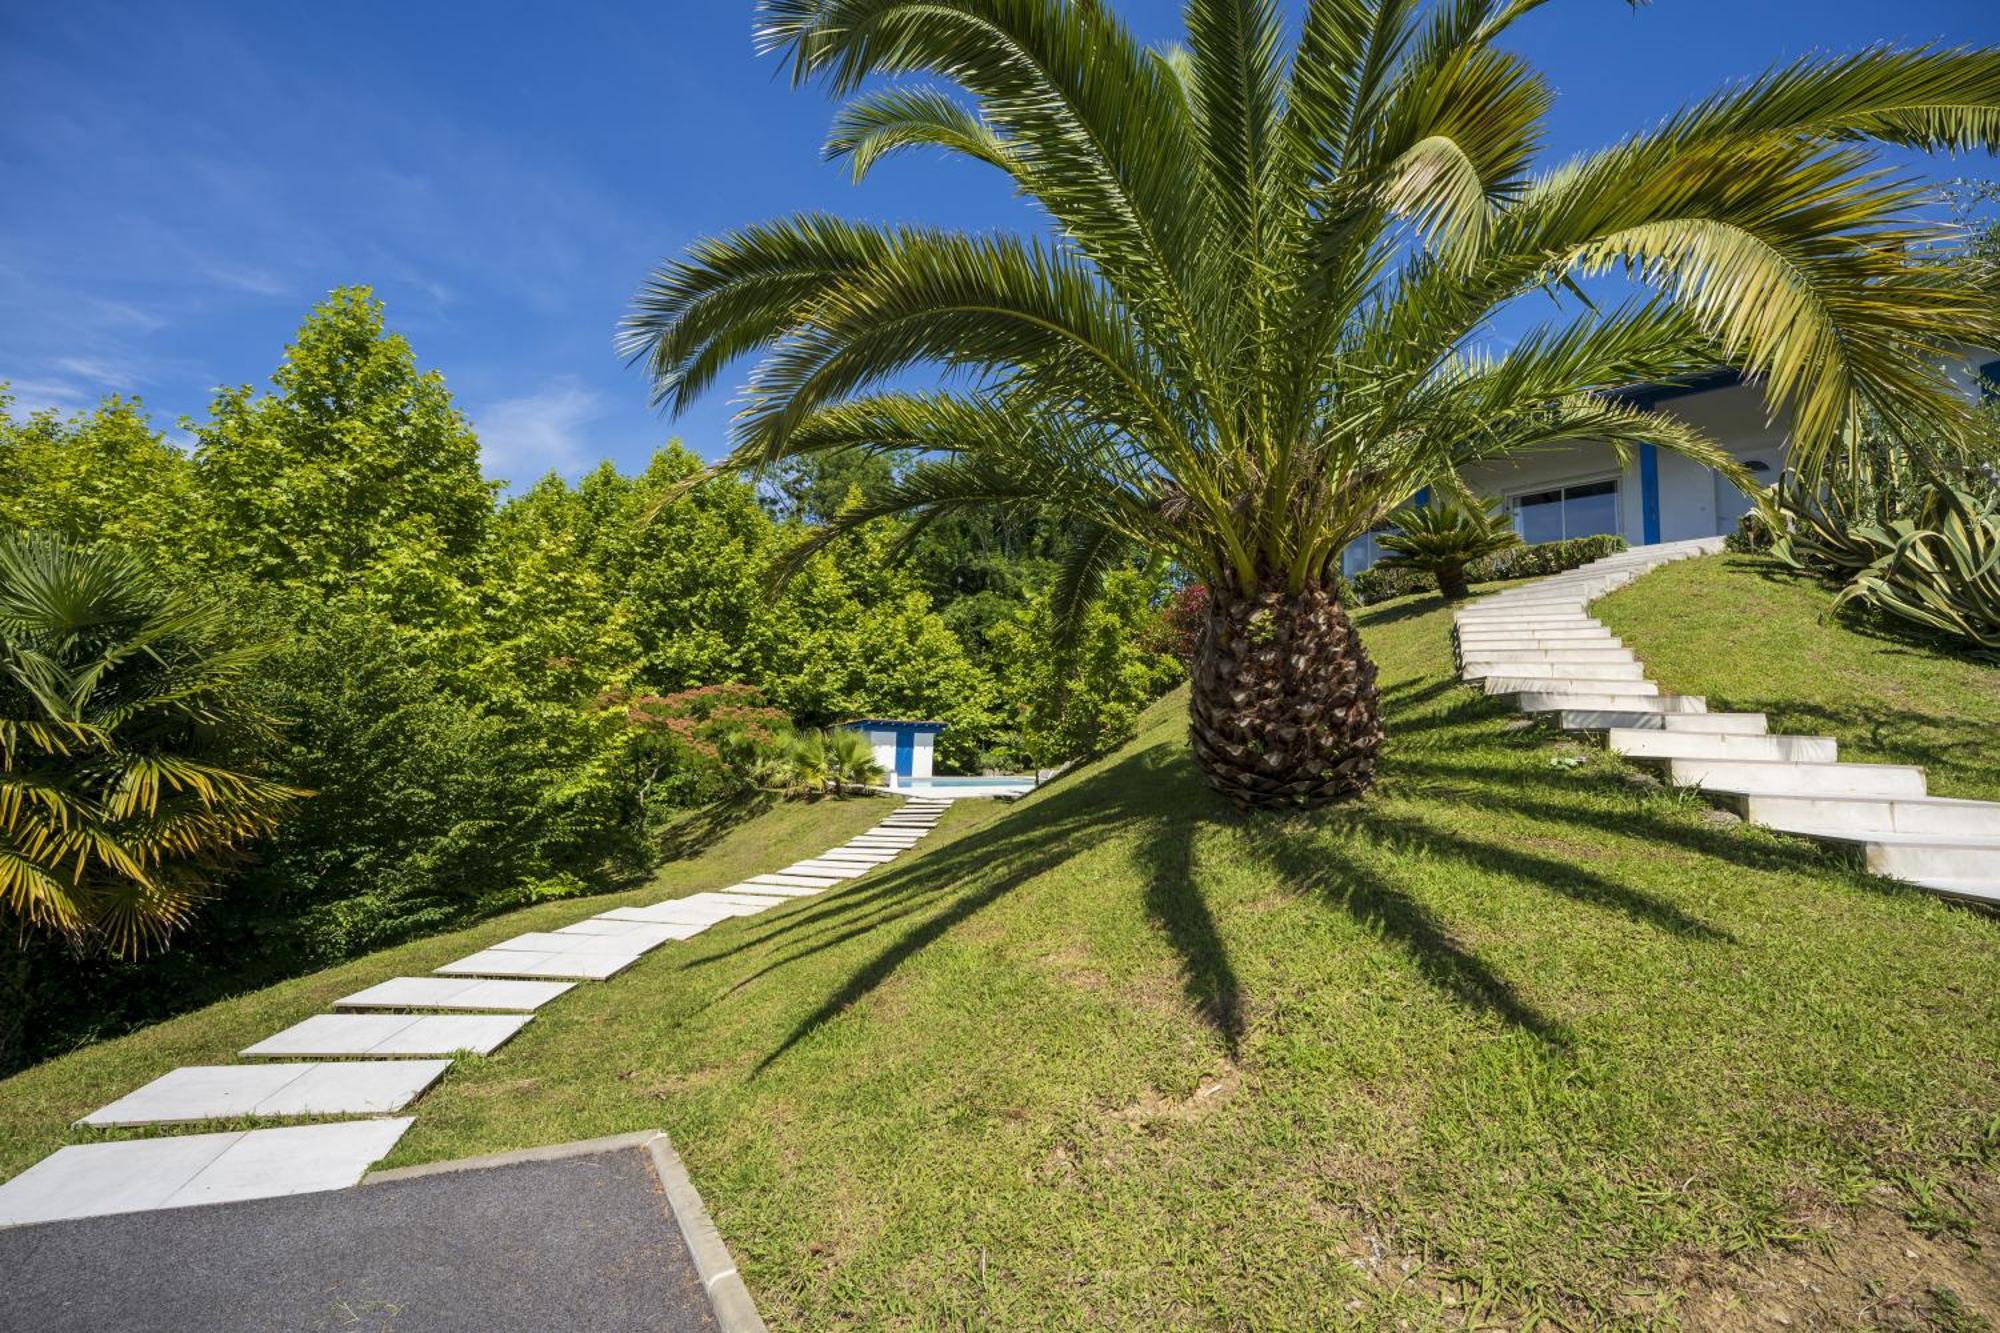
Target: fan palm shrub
{"x": 1443, "y": 537}
{"x": 1258, "y": 323}
{"x": 850, "y": 760}
{"x": 127, "y": 714}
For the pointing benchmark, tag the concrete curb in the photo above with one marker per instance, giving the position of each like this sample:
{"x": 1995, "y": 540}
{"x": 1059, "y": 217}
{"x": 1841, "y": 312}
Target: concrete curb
{"x": 727, "y": 1295}
{"x": 734, "y": 1309}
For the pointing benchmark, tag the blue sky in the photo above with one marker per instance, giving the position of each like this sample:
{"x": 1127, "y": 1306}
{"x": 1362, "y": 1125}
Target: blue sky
{"x": 180, "y": 181}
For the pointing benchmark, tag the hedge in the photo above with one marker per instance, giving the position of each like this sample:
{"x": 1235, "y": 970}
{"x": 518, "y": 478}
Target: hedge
{"x": 1379, "y": 583}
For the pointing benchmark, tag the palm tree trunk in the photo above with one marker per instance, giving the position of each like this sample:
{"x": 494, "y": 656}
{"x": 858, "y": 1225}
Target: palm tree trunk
{"x": 1283, "y": 712}
{"x": 1451, "y": 582}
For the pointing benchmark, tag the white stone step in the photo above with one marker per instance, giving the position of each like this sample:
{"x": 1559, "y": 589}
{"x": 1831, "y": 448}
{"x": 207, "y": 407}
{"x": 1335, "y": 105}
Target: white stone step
{"x": 334, "y": 1035}
{"x": 137, "y": 1175}
{"x": 1489, "y": 617}
{"x": 1636, "y": 743}
{"x": 1546, "y": 653}
{"x": 1976, "y": 890}
{"x": 1555, "y": 685}
{"x": 1919, "y": 855}
{"x": 788, "y": 880}
{"x": 1639, "y": 719}
{"x": 539, "y": 966}
{"x": 1537, "y": 701}
{"x": 555, "y": 941}
{"x": 1520, "y": 668}
{"x": 837, "y": 871}
{"x": 1552, "y": 638}
{"x": 506, "y": 997}
{"x": 1749, "y": 775}
{"x": 773, "y": 890}
{"x": 228, "y": 1092}
{"x": 1935, "y": 815}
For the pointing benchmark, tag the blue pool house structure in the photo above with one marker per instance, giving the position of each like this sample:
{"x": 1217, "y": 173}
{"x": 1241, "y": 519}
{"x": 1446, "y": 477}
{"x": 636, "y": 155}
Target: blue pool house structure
{"x": 902, "y": 747}
{"x": 1654, "y": 496}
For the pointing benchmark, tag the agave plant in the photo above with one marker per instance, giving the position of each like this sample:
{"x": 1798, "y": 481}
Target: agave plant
{"x": 1443, "y": 537}
{"x": 850, "y": 759}
{"x": 1259, "y": 320}
{"x": 124, "y": 707}
{"x": 1940, "y": 570}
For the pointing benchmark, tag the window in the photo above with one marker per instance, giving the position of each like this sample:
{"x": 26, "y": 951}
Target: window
{"x": 1362, "y": 552}
{"x": 1989, "y": 381}
{"x": 1567, "y": 511}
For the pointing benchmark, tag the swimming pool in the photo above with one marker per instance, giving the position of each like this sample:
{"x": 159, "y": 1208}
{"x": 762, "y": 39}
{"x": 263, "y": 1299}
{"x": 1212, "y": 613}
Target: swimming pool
{"x": 982, "y": 786}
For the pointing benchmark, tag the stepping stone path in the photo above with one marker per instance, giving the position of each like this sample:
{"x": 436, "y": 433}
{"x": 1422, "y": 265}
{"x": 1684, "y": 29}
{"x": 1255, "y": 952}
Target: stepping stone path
{"x": 1537, "y": 646}
{"x": 487, "y": 998}
{"x": 226, "y": 1092}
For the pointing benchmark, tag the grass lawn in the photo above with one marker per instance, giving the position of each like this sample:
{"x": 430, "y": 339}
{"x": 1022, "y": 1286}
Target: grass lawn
{"x": 1520, "y": 1041}
{"x": 1751, "y": 637}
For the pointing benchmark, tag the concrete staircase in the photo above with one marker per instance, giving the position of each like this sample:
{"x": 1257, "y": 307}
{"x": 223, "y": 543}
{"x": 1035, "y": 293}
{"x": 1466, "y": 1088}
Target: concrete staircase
{"x": 1537, "y": 647}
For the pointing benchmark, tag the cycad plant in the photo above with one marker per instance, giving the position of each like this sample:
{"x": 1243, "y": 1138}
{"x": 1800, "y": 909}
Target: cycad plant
{"x": 1443, "y": 537}
{"x": 1260, "y": 319}
{"x": 127, "y": 711}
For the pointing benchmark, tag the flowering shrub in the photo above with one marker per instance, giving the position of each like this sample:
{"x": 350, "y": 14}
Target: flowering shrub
{"x": 701, "y": 743}
{"x": 1178, "y": 628}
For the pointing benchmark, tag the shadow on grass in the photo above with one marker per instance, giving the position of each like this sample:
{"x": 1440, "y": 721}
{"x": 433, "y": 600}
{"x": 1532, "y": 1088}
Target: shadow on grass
{"x": 700, "y": 830}
{"x": 1154, "y": 800}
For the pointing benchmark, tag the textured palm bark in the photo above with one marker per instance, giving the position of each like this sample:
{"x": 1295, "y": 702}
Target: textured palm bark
{"x": 1283, "y": 712}
{"x": 1452, "y": 585}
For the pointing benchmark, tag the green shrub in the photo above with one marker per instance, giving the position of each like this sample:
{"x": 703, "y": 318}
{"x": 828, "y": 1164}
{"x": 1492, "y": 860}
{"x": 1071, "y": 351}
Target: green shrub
{"x": 1379, "y": 584}
{"x": 1443, "y": 539}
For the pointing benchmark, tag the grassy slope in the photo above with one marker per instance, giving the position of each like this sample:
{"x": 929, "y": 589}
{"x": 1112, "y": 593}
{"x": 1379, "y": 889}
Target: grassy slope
{"x": 1510, "y": 1037}
{"x": 38, "y": 1105}
{"x": 1751, "y": 638}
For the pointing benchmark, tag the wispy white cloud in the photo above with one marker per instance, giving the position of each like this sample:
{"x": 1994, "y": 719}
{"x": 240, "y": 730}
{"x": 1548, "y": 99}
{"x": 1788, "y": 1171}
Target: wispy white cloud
{"x": 523, "y": 439}
{"x": 31, "y": 396}
{"x": 250, "y": 278}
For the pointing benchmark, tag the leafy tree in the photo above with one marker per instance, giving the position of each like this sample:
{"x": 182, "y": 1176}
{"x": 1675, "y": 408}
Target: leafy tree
{"x": 356, "y": 457}
{"x": 1257, "y": 329}
{"x": 1085, "y": 699}
{"x": 103, "y": 475}
{"x": 1443, "y": 537}
{"x": 130, "y": 745}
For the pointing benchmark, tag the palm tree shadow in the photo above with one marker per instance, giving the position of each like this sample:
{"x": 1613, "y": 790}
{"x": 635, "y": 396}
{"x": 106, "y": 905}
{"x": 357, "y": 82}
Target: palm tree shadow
{"x": 1164, "y": 856}
{"x": 1308, "y": 866}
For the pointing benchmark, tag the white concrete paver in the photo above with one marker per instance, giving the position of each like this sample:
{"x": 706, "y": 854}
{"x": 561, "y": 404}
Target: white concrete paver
{"x": 547, "y": 941}
{"x": 392, "y": 1034}
{"x": 456, "y": 993}
{"x": 539, "y": 966}
{"x": 221, "y": 1092}
{"x": 90, "y": 1180}
{"x": 774, "y": 890}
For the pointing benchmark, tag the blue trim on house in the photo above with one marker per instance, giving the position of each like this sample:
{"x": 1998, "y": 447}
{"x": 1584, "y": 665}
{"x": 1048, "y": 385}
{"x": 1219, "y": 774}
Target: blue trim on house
{"x": 1989, "y": 381}
{"x": 899, "y": 725}
{"x": 1649, "y": 491}
{"x": 906, "y": 754}
{"x": 1423, "y": 497}
{"x": 1648, "y": 396}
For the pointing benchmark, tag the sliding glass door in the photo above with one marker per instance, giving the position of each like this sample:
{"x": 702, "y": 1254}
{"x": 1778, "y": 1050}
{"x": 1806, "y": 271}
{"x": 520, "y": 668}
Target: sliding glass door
{"x": 1563, "y": 512}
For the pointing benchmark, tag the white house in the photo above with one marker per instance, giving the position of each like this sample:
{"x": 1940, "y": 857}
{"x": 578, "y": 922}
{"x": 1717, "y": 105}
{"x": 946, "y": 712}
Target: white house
{"x": 1657, "y": 496}
{"x": 902, "y": 748}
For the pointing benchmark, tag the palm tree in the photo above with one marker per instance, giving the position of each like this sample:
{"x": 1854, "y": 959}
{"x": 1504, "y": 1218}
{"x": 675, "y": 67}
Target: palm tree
{"x": 1442, "y": 538}
{"x": 1262, "y": 319}
{"x": 850, "y": 759}
{"x": 125, "y": 708}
